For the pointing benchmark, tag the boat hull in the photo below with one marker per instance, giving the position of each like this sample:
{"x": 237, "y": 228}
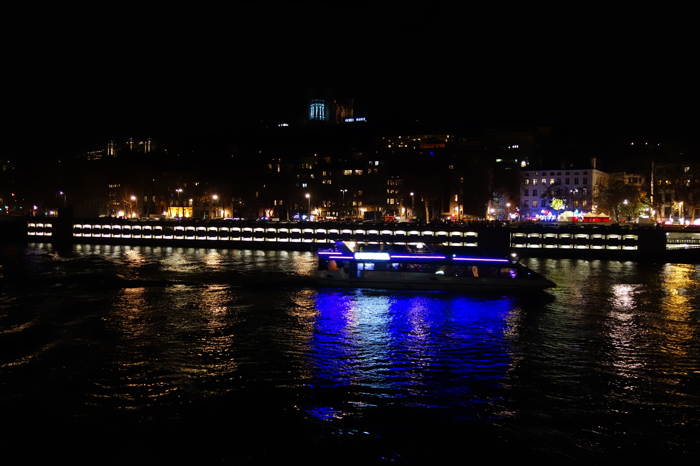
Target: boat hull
{"x": 432, "y": 282}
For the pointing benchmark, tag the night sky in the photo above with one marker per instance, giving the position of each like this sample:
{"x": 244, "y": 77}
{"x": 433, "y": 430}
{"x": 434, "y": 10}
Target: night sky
{"x": 74, "y": 75}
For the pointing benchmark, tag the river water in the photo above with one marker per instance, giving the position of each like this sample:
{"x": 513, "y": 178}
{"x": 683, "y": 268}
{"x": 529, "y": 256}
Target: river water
{"x": 159, "y": 355}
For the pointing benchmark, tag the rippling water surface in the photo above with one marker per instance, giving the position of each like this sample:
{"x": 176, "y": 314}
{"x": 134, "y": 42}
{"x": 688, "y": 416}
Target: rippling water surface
{"x": 154, "y": 355}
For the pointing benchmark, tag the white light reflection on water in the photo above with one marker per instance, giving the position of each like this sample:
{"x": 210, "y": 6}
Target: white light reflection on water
{"x": 179, "y": 339}
{"x": 215, "y": 346}
{"x": 213, "y": 259}
{"x": 133, "y": 256}
{"x": 624, "y": 331}
{"x": 623, "y": 298}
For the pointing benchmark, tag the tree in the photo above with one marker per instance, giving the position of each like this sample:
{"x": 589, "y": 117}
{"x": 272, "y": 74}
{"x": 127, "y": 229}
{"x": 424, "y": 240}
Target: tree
{"x": 686, "y": 194}
{"x": 622, "y": 201}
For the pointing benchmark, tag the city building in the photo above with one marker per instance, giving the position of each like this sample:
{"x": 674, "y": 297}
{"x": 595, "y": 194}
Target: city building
{"x": 676, "y": 192}
{"x": 415, "y": 143}
{"x": 319, "y": 110}
{"x": 631, "y": 178}
{"x": 333, "y": 107}
{"x": 579, "y": 190}
{"x": 179, "y": 211}
{"x": 119, "y": 148}
{"x": 334, "y": 110}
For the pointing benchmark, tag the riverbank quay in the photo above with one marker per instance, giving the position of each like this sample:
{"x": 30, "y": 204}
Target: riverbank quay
{"x": 619, "y": 242}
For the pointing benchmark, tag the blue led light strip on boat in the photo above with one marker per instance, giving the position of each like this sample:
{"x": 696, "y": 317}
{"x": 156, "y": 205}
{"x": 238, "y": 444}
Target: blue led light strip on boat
{"x": 479, "y": 259}
{"x": 383, "y": 256}
{"x": 422, "y": 256}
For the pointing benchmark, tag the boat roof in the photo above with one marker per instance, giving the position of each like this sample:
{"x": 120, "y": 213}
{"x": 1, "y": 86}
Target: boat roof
{"x": 415, "y": 252}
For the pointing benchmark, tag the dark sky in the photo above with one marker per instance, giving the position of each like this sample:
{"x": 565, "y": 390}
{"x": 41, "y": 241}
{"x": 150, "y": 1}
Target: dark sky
{"x": 73, "y": 72}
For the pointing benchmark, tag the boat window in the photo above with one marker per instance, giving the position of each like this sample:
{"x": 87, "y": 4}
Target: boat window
{"x": 508, "y": 272}
{"x": 475, "y": 271}
{"x": 423, "y": 268}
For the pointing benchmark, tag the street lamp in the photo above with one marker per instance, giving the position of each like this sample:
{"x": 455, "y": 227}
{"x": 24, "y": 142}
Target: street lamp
{"x": 214, "y": 198}
{"x": 132, "y": 198}
{"x": 574, "y": 198}
{"x": 343, "y": 191}
{"x": 308, "y": 198}
{"x": 413, "y": 205}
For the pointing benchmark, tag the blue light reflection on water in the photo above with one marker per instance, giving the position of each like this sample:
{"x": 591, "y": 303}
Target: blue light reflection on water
{"x": 436, "y": 350}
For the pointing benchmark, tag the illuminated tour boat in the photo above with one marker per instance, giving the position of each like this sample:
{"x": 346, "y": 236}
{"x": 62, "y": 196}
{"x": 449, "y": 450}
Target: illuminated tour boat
{"x": 413, "y": 266}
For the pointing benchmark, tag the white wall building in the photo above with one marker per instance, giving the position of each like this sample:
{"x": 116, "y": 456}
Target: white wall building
{"x": 578, "y": 188}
